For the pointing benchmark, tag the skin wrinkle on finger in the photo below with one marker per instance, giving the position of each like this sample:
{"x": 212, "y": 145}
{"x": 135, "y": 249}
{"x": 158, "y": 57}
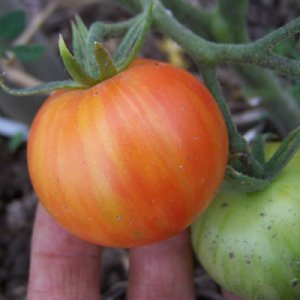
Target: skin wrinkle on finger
{"x": 71, "y": 269}
{"x": 70, "y": 279}
{"x": 62, "y": 266}
{"x": 162, "y": 271}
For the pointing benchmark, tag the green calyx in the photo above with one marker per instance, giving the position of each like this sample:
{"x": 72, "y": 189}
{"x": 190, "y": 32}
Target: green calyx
{"x": 91, "y": 63}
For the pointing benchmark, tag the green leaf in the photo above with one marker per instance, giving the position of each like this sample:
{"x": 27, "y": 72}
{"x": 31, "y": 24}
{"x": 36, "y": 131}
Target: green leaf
{"x": 3, "y": 49}
{"x": 284, "y": 153}
{"x": 74, "y": 68}
{"x": 295, "y": 91}
{"x": 12, "y": 25}
{"x": 44, "y": 88}
{"x": 134, "y": 39}
{"x": 104, "y": 62}
{"x": 26, "y": 53}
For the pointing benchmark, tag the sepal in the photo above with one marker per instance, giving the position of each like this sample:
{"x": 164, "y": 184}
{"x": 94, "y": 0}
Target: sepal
{"x": 45, "y": 88}
{"x": 104, "y": 62}
{"x": 244, "y": 182}
{"x": 134, "y": 39}
{"x": 72, "y": 65}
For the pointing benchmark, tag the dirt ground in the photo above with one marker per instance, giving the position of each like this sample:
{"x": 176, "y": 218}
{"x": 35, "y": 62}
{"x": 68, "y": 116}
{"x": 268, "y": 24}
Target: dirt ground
{"x": 18, "y": 202}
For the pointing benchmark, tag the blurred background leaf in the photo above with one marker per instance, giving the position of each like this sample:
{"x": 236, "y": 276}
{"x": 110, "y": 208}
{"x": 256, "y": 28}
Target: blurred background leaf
{"x": 12, "y": 25}
{"x": 26, "y": 53}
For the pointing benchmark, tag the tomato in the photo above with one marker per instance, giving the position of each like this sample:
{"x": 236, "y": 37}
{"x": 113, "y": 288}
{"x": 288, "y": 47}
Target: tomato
{"x": 132, "y": 160}
{"x": 249, "y": 243}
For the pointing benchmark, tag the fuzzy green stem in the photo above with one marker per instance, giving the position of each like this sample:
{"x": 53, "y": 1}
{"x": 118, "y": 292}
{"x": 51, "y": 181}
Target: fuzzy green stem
{"x": 198, "y": 20}
{"x": 255, "y": 53}
{"x": 44, "y": 88}
{"x": 102, "y": 31}
{"x": 238, "y": 145}
{"x": 207, "y": 52}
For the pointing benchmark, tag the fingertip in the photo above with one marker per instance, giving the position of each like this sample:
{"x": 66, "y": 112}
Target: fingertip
{"x": 62, "y": 267}
{"x": 163, "y": 270}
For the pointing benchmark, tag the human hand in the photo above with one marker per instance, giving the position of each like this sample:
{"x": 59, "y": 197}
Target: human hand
{"x": 64, "y": 267}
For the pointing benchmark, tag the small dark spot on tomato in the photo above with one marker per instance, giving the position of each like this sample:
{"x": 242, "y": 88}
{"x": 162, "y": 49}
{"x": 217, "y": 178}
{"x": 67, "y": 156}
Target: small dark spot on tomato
{"x": 187, "y": 157}
{"x": 262, "y": 214}
{"x": 137, "y": 235}
{"x": 248, "y": 262}
{"x": 269, "y": 227}
{"x": 231, "y": 255}
{"x": 224, "y": 204}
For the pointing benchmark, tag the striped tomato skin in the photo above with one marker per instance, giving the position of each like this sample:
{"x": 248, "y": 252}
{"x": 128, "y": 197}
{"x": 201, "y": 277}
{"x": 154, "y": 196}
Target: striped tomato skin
{"x": 132, "y": 160}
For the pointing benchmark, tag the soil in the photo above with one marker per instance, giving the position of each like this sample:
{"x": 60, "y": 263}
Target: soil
{"x": 18, "y": 201}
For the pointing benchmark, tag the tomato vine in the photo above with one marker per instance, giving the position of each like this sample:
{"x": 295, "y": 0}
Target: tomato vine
{"x": 186, "y": 25}
{"x": 245, "y": 170}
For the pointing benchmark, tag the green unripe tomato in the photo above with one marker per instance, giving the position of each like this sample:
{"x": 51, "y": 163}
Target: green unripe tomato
{"x": 250, "y": 243}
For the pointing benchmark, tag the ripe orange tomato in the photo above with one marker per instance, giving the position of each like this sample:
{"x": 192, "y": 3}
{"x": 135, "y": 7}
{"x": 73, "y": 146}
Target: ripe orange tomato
{"x": 132, "y": 160}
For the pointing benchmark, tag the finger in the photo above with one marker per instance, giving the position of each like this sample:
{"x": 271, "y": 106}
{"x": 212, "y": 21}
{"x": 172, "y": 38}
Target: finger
{"x": 62, "y": 266}
{"x": 162, "y": 271}
{"x": 229, "y": 296}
